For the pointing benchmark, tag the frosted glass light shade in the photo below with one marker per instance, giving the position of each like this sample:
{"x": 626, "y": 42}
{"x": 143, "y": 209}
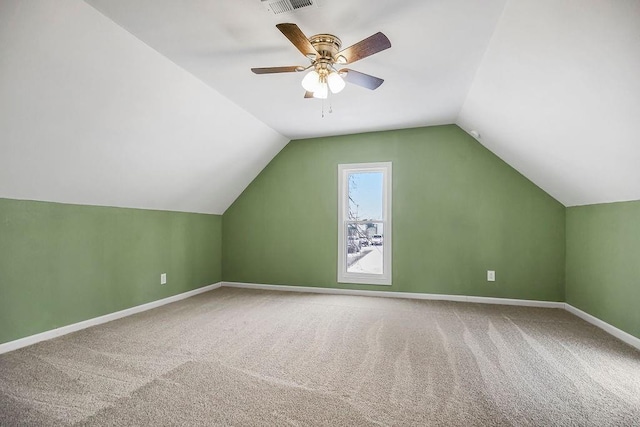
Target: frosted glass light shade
{"x": 336, "y": 83}
{"x": 311, "y": 81}
{"x": 322, "y": 91}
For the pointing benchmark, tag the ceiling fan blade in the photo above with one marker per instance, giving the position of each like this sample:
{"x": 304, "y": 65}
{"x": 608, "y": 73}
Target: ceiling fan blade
{"x": 360, "y": 79}
{"x": 367, "y": 47}
{"x": 297, "y": 37}
{"x": 308, "y": 94}
{"x": 271, "y": 70}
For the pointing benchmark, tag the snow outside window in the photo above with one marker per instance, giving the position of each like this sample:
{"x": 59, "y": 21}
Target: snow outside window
{"x": 364, "y": 223}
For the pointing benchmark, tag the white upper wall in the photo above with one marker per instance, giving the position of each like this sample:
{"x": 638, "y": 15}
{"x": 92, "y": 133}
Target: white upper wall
{"x": 91, "y": 115}
{"x": 557, "y": 96}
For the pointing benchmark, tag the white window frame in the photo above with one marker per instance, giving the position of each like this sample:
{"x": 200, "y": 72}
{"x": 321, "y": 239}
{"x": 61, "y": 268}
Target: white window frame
{"x": 343, "y": 193}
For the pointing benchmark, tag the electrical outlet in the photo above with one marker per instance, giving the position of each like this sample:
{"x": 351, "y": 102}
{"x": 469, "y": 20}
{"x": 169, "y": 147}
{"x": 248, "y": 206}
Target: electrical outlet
{"x": 163, "y": 279}
{"x": 491, "y": 276}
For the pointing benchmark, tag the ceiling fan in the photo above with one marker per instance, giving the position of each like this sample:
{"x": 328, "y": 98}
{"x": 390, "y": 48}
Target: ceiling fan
{"x": 323, "y": 50}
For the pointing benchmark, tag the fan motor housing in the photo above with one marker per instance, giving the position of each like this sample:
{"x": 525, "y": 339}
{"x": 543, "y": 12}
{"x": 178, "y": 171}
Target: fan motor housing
{"x": 327, "y": 45}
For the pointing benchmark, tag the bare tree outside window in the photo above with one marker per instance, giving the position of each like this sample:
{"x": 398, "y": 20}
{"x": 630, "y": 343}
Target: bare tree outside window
{"x": 364, "y": 222}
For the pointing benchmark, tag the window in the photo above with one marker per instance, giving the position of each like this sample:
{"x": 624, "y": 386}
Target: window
{"x": 364, "y": 223}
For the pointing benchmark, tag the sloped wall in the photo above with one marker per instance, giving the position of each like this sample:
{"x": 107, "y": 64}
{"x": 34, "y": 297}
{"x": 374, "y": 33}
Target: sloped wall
{"x": 603, "y": 262}
{"x": 458, "y": 211}
{"x": 91, "y": 115}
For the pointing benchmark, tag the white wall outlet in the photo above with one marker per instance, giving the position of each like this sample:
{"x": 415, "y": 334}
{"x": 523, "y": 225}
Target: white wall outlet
{"x": 163, "y": 279}
{"x": 491, "y": 276}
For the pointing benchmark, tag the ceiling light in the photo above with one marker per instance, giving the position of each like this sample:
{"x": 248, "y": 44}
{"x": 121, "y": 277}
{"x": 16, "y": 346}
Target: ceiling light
{"x": 323, "y": 50}
{"x": 319, "y": 83}
{"x": 336, "y": 83}
{"x": 322, "y": 91}
{"x": 311, "y": 81}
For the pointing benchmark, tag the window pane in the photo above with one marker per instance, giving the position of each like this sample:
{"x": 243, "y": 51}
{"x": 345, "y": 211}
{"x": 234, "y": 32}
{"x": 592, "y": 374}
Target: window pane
{"x": 365, "y": 248}
{"x": 365, "y": 196}
{"x": 364, "y": 214}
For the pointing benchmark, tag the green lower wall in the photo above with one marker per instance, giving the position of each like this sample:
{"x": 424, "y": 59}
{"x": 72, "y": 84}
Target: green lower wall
{"x": 458, "y": 211}
{"x": 61, "y": 264}
{"x": 603, "y": 262}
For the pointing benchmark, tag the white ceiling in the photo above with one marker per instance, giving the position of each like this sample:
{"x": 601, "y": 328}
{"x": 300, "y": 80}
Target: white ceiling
{"x": 151, "y": 103}
{"x": 436, "y": 49}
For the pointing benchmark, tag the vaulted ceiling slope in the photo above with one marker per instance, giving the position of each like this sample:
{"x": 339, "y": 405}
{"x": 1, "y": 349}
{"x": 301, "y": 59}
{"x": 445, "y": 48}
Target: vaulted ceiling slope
{"x": 551, "y": 86}
{"x": 557, "y": 96}
{"x": 89, "y": 114}
{"x": 151, "y": 103}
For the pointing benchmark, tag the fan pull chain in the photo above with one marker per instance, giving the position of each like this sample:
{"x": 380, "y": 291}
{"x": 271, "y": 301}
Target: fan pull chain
{"x": 330, "y": 98}
{"x": 330, "y": 105}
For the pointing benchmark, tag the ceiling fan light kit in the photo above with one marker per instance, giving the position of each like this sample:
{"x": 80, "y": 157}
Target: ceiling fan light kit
{"x": 335, "y": 82}
{"x": 311, "y": 80}
{"x": 321, "y": 92}
{"x": 323, "y": 50}
{"x": 319, "y": 83}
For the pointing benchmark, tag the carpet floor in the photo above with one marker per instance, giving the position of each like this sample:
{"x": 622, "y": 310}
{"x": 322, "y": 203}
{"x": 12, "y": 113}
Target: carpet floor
{"x": 247, "y": 357}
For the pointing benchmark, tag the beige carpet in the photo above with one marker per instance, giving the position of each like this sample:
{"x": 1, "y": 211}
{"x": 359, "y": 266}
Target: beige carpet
{"x": 245, "y": 357}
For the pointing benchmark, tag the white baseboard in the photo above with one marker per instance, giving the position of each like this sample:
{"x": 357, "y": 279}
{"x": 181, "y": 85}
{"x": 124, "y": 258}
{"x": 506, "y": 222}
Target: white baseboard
{"x": 32, "y": 339}
{"x": 390, "y": 294}
{"x": 610, "y": 329}
{"x": 23, "y": 342}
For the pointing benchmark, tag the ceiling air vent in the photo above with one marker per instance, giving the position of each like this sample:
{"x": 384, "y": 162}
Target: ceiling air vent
{"x": 282, "y": 6}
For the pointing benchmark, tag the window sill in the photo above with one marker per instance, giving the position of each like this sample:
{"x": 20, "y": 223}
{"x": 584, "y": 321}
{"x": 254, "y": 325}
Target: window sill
{"x": 364, "y": 280}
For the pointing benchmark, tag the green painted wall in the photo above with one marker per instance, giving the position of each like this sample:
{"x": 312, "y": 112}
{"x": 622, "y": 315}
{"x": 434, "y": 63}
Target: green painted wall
{"x": 458, "y": 210}
{"x": 603, "y": 262}
{"x": 61, "y": 264}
